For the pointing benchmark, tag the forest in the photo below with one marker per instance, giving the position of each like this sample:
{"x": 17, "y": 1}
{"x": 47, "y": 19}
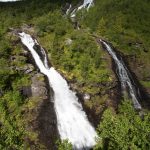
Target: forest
{"x": 83, "y": 63}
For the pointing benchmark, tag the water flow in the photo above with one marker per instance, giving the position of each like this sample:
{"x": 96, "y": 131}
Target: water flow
{"x": 68, "y": 10}
{"x": 86, "y": 4}
{"x": 72, "y": 121}
{"x": 124, "y": 76}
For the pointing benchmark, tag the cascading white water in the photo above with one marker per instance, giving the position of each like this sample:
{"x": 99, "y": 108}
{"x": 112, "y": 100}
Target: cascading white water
{"x": 72, "y": 121}
{"x": 123, "y": 76}
{"x": 68, "y": 10}
{"x": 86, "y": 4}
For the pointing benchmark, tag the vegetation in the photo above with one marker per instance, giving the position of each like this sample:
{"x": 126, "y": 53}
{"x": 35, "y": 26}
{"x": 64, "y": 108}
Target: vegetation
{"x": 76, "y": 55}
{"x": 64, "y": 145}
{"x": 125, "y": 23}
{"x": 16, "y": 111}
{"x": 124, "y": 130}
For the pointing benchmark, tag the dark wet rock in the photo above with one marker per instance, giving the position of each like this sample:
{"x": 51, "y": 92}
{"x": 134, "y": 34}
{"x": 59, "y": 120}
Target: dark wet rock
{"x": 47, "y": 125}
{"x": 26, "y": 91}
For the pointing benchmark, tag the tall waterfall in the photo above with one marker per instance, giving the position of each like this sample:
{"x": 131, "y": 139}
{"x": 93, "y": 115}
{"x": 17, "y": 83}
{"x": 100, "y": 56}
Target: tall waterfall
{"x": 72, "y": 121}
{"x": 124, "y": 77}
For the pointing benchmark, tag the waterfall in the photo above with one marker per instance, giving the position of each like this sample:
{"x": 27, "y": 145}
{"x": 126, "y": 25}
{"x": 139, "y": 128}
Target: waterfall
{"x": 72, "y": 121}
{"x": 68, "y": 10}
{"x": 86, "y": 4}
{"x": 124, "y": 77}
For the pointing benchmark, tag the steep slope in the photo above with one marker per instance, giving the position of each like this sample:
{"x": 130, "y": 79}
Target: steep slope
{"x": 125, "y": 24}
{"x": 22, "y": 113}
{"x": 77, "y": 56}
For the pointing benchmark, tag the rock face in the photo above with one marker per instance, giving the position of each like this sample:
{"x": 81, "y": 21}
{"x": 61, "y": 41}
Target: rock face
{"x": 141, "y": 72}
{"x": 38, "y": 87}
{"x": 41, "y": 115}
{"x": 45, "y": 122}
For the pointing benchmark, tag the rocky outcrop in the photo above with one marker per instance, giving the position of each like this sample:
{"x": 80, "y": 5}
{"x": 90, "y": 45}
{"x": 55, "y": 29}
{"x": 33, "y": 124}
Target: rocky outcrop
{"x": 140, "y": 71}
{"x": 44, "y": 122}
{"x": 38, "y": 87}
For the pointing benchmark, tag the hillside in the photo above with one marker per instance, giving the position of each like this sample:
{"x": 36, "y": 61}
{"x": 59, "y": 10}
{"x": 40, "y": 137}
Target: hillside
{"x": 27, "y": 112}
{"x": 126, "y": 25}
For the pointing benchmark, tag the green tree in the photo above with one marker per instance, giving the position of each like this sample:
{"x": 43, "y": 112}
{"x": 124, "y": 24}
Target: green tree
{"x": 64, "y": 145}
{"x": 101, "y": 29}
{"x": 125, "y": 130}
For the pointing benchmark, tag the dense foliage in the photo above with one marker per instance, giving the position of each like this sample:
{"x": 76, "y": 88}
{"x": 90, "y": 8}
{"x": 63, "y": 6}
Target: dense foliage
{"x": 16, "y": 109}
{"x": 125, "y": 23}
{"x": 124, "y": 130}
{"x": 64, "y": 145}
{"x": 77, "y": 56}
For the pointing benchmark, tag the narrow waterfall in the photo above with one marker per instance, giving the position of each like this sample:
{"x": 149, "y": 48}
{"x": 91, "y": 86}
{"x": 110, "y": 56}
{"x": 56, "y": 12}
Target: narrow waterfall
{"x": 124, "y": 77}
{"x": 86, "y": 4}
{"x": 72, "y": 121}
{"x": 68, "y": 10}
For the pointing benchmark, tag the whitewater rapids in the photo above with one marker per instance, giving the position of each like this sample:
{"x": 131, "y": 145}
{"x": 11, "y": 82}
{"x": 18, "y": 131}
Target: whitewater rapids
{"x": 72, "y": 121}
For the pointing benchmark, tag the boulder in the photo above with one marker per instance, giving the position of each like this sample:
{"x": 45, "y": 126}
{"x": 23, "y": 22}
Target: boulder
{"x": 26, "y": 91}
{"x": 38, "y": 86}
{"x": 29, "y": 68}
